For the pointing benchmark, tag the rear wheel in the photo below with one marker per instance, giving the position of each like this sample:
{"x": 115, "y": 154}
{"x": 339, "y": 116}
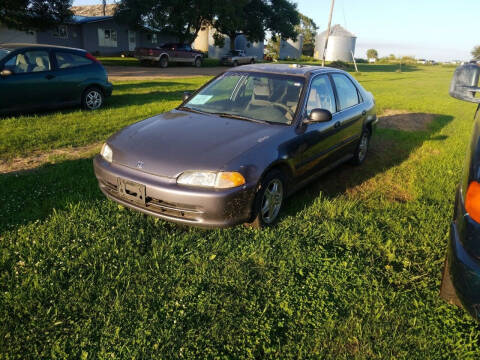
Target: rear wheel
{"x": 92, "y": 98}
{"x": 235, "y": 63}
{"x": 361, "y": 151}
{"x": 163, "y": 62}
{"x": 198, "y": 62}
{"x": 252, "y": 61}
{"x": 269, "y": 199}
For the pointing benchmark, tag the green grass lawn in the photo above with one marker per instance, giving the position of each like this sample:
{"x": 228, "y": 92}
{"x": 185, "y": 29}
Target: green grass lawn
{"x": 352, "y": 270}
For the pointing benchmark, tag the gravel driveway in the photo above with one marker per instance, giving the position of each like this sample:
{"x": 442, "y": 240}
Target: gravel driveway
{"x": 139, "y": 73}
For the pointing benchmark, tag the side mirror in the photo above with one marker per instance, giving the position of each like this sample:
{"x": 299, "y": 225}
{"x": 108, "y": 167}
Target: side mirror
{"x": 318, "y": 115}
{"x": 186, "y": 95}
{"x": 5, "y": 72}
{"x": 465, "y": 83}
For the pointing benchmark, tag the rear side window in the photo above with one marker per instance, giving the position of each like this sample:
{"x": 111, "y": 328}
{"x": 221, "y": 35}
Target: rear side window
{"x": 346, "y": 91}
{"x": 67, "y": 60}
{"x": 29, "y": 61}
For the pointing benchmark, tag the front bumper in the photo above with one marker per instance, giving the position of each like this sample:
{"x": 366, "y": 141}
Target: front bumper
{"x": 464, "y": 272}
{"x": 167, "y": 200}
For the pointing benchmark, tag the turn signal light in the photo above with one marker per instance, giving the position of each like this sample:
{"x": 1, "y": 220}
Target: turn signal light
{"x": 229, "y": 180}
{"x": 472, "y": 201}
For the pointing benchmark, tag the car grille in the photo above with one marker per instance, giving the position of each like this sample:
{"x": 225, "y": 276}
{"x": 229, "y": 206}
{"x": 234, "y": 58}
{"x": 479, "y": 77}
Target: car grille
{"x": 160, "y": 207}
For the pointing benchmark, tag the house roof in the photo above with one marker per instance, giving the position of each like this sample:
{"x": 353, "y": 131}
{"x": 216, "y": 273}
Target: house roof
{"x": 77, "y": 19}
{"x": 94, "y": 10}
{"x": 337, "y": 30}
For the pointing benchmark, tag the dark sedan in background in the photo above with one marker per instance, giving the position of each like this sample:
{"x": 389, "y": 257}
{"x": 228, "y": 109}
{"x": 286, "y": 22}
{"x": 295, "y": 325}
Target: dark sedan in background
{"x": 461, "y": 276}
{"x": 45, "y": 76}
{"x": 232, "y": 152}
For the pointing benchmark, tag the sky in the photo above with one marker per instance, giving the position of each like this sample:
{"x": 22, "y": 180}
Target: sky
{"x": 440, "y": 30}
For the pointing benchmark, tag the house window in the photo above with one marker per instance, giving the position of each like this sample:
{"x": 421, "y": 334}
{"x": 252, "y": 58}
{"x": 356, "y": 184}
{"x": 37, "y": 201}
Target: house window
{"x": 107, "y": 38}
{"x": 61, "y": 32}
{"x": 152, "y": 38}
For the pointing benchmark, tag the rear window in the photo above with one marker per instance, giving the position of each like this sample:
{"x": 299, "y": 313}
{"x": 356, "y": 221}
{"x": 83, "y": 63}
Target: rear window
{"x": 66, "y": 60}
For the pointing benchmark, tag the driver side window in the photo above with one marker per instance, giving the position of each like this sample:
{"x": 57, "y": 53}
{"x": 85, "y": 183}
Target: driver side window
{"x": 321, "y": 95}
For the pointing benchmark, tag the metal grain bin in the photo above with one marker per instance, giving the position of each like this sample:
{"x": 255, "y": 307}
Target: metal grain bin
{"x": 341, "y": 45}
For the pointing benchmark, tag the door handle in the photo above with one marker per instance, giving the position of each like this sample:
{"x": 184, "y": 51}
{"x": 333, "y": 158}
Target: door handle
{"x": 337, "y": 125}
{"x": 49, "y": 77}
{"x": 364, "y": 113}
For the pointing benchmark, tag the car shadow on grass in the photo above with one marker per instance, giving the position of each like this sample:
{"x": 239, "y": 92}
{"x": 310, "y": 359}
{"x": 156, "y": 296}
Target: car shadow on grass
{"x": 34, "y": 194}
{"x": 388, "y": 148}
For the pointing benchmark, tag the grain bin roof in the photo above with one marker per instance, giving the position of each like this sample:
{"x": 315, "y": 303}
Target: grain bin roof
{"x": 337, "y": 30}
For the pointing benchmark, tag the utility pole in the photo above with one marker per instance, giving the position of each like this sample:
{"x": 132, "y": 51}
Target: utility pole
{"x": 328, "y": 32}
{"x": 104, "y": 3}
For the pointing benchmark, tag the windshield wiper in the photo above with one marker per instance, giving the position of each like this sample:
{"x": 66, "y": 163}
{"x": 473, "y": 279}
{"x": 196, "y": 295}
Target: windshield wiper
{"x": 239, "y": 117}
{"x": 186, "y": 108}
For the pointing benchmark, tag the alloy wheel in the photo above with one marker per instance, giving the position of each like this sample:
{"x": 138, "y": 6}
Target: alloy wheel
{"x": 93, "y": 99}
{"x": 363, "y": 147}
{"x": 272, "y": 201}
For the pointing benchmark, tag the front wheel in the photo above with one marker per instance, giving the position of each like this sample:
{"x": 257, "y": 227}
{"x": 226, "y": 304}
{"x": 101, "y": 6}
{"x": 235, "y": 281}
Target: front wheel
{"x": 269, "y": 199}
{"x": 92, "y": 99}
{"x": 235, "y": 63}
{"x": 361, "y": 151}
{"x": 198, "y": 62}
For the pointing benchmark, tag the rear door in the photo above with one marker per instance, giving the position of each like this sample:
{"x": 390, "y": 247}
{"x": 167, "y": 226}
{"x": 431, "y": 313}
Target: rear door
{"x": 31, "y": 84}
{"x": 350, "y": 114}
{"x": 72, "y": 69}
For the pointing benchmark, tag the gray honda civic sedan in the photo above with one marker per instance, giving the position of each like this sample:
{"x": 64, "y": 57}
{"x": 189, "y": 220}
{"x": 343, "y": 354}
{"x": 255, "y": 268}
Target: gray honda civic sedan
{"x": 236, "y": 148}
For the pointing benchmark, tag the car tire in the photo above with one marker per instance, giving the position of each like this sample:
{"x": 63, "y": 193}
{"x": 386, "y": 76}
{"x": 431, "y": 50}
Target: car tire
{"x": 252, "y": 61}
{"x": 198, "y": 62}
{"x": 361, "y": 151}
{"x": 235, "y": 63}
{"x": 92, "y": 98}
{"x": 272, "y": 188}
{"x": 163, "y": 62}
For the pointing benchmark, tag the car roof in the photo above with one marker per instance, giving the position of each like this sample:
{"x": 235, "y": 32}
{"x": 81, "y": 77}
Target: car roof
{"x": 15, "y": 46}
{"x": 287, "y": 69}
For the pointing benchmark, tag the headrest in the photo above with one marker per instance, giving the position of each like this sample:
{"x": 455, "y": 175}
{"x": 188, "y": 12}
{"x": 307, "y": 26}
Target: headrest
{"x": 261, "y": 89}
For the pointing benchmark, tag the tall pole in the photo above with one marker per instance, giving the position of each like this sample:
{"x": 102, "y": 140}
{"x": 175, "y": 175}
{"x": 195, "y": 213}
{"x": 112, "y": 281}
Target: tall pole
{"x": 328, "y": 32}
{"x": 104, "y": 5}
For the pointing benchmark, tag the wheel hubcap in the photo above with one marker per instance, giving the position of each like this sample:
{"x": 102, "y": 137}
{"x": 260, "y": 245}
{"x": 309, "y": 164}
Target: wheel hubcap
{"x": 272, "y": 201}
{"x": 93, "y": 100}
{"x": 363, "y": 147}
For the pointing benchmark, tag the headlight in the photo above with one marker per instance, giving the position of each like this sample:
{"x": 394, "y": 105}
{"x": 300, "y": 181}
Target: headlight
{"x": 212, "y": 179}
{"x": 106, "y": 152}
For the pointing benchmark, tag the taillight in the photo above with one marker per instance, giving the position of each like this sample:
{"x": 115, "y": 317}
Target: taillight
{"x": 91, "y": 57}
{"x": 472, "y": 201}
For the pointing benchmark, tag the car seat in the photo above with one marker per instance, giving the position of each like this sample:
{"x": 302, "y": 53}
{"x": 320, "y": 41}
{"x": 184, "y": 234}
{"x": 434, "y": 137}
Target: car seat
{"x": 40, "y": 64}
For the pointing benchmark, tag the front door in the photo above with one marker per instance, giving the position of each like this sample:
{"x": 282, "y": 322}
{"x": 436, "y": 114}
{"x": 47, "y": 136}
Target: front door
{"x": 319, "y": 142}
{"x": 31, "y": 83}
{"x": 132, "y": 40}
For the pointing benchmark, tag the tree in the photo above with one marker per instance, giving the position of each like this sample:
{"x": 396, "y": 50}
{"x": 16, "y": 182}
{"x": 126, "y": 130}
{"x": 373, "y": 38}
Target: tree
{"x": 253, "y": 18}
{"x": 476, "y": 53}
{"x": 30, "y": 15}
{"x": 372, "y": 54}
{"x": 308, "y": 29}
{"x": 184, "y": 19}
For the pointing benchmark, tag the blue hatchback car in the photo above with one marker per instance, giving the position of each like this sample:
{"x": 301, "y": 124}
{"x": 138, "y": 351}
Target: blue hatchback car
{"x": 45, "y": 76}
{"x": 461, "y": 277}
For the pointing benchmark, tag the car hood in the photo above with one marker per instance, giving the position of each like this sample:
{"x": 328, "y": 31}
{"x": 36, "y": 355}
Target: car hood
{"x": 171, "y": 143}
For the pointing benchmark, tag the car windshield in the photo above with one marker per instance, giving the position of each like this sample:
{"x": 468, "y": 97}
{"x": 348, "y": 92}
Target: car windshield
{"x": 234, "y": 52}
{"x": 250, "y": 96}
{"x": 3, "y": 53}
